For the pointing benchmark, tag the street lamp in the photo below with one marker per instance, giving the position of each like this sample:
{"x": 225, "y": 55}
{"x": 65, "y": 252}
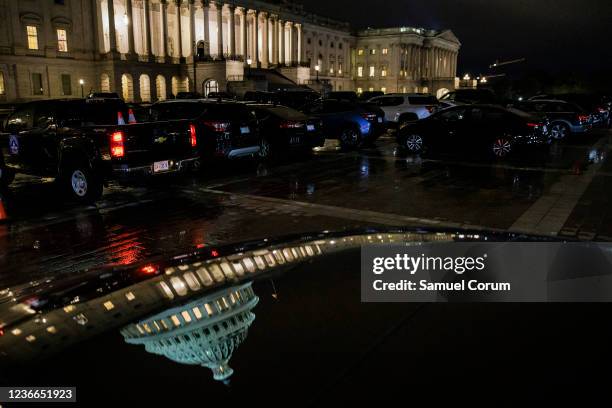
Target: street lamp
{"x": 249, "y": 62}
{"x": 317, "y": 69}
{"x": 466, "y": 77}
{"x": 82, "y": 82}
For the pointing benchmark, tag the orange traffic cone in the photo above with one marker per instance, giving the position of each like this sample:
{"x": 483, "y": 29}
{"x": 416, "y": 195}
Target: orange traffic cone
{"x": 3, "y": 214}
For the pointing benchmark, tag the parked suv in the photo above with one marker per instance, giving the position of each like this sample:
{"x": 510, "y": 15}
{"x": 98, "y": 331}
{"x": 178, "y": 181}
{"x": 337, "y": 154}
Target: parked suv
{"x": 84, "y": 142}
{"x": 225, "y": 130}
{"x": 565, "y": 118}
{"x": 400, "y": 108}
{"x": 352, "y": 124}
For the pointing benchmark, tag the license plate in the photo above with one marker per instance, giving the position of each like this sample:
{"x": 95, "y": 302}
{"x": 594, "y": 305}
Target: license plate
{"x": 161, "y": 166}
{"x": 244, "y": 130}
{"x": 379, "y": 120}
{"x": 310, "y": 128}
{"x": 295, "y": 140}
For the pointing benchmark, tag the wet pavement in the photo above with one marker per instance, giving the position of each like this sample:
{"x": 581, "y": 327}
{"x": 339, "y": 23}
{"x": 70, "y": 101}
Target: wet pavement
{"x": 565, "y": 193}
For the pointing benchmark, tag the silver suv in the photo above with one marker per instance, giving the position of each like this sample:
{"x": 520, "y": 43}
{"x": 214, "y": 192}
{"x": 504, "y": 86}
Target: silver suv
{"x": 401, "y": 109}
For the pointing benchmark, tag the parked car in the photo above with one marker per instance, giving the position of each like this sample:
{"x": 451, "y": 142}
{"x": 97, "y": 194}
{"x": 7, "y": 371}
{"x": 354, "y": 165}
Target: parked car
{"x": 286, "y": 129}
{"x": 188, "y": 95}
{"x": 260, "y": 97}
{"x": 84, "y": 142}
{"x": 103, "y": 95}
{"x": 348, "y": 96}
{"x": 598, "y": 106}
{"x": 225, "y": 130}
{"x": 352, "y": 124}
{"x": 219, "y": 95}
{"x": 565, "y": 118}
{"x": 399, "y": 108}
{"x": 367, "y": 95}
{"x": 5, "y": 110}
{"x": 488, "y": 129}
{"x": 296, "y": 99}
{"x": 470, "y": 96}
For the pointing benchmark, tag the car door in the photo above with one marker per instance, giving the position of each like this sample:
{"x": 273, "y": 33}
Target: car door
{"x": 448, "y": 127}
{"x": 20, "y": 150}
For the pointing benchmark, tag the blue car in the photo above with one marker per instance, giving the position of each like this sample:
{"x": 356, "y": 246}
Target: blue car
{"x": 353, "y": 124}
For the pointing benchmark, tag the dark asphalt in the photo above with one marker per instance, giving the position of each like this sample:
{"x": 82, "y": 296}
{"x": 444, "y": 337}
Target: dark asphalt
{"x": 566, "y": 193}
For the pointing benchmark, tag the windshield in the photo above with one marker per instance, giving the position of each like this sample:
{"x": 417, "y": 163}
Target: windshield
{"x": 305, "y": 203}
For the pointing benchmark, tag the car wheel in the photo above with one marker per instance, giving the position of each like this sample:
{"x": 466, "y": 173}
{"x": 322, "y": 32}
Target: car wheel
{"x": 82, "y": 185}
{"x": 559, "y": 130}
{"x": 349, "y": 139}
{"x": 414, "y": 143}
{"x": 501, "y": 147}
{"x": 265, "y": 149}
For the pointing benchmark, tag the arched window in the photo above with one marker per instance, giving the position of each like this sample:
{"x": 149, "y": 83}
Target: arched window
{"x": 145, "y": 88}
{"x": 210, "y": 85}
{"x": 127, "y": 87}
{"x": 160, "y": 87}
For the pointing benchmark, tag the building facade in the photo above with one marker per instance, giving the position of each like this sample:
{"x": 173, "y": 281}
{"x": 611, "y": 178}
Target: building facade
{"x": 149, "y": 50}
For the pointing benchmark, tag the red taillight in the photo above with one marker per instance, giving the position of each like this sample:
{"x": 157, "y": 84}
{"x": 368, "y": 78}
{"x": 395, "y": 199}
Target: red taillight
{"x": 117, "y": 148}
{"x": 291, "y": 125}
{"x": 217, "y": 126}
{"x": 148, "y": 270}
{"x": 534, "y": 125}
{"x": 192, "y": 135}
{"x": 214, "y": 253}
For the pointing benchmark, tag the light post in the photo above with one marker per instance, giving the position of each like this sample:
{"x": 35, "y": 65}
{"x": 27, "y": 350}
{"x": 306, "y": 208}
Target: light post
{"x": 249, "y": 62}
{"x": 82, "y": 83}
{"x": 317, "y": 69}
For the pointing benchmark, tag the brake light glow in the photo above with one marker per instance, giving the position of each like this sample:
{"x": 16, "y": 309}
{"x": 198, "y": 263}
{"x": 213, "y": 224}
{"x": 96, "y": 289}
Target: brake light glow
{"x": 117, "y": 148}
{"x": 217, "y": 126}
{"x": 534, "y": 125}
{"x": 368, "y": 116}
{"x": 192, "y": 135}
{"x": 291, "y": 125}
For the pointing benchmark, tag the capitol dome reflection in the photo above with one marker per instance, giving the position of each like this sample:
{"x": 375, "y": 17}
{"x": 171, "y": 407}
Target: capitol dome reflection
{"x": 203, "y": 332}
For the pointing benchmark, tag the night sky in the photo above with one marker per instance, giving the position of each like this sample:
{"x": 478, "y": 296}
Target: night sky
{"x": 554, "y": 35}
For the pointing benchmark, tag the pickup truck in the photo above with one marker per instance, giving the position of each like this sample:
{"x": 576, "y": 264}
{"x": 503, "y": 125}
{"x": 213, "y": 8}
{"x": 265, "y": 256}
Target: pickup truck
{"x": 83, "y": 143}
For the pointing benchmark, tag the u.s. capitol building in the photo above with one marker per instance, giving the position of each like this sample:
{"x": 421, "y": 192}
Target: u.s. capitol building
{"x": 149, "y": 50}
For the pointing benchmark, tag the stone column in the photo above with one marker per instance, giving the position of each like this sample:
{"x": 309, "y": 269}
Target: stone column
{"x": 299, "y": 47}
{"x": 281, "y": 33}
{"x": 130, "y": 28}
{"x": 179, "y": 28}
{"x": 290, "y": 41}
{"x": 147, "y": 21}
{"x": 206, "y": 10}
{"x": 164, "y": 13}
{"x": 232, "y": 30}
{"x": 112, "y": 34}
{"x": 219, "y": 7}
{"x": 256, "y": 38}
{"x": 244, "y": 34}
{"x": 275, "y": 40}
{"x": 192, "y": 34}
{"x": 265, "y": 52}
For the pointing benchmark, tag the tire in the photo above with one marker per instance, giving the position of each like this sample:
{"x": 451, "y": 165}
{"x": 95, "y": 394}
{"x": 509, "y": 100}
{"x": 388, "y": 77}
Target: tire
{"x": 350, "y": 138}
{"x": 265, "y": 150}
{"x": 413, "y": 143}
{"x": 559, "y": 130}
{"x": 81, "y": 184}
{"x": 501, "y": 147}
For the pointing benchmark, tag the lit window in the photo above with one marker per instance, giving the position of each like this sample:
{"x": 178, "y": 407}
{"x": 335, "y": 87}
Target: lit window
{"x": 109, "y": 305}
{"x": 383, "y": 89}
{"x": 52, "y": 329}
{"x": 209, "y": 309}
{"x": 360, "y": 72}
{"x": 16, "y": 332}
{"x": 372, "y": 71}
{"x": 186, "y": 316}
{"x": 130, "y": 296}
{"x": 385, "y": 51}
{"x": 197, "y": 313}
{"x": 32, "y": 37}
{"x": 175, "y": 320}
{"x": 373, "y": 51}
{"x": 360, "y": 52}
{"x": 69, "y": 309}
{"x": 331, "y": 69}
{"x": 62, "y": 40}
{"x": 31, "y": 338}
{"x": 371, "y": 89}
{"x": 383, "y": 71}
{"x": 340, "y": 69}
{"x": 359, "y": 90}
{"x": 2, "y": 90}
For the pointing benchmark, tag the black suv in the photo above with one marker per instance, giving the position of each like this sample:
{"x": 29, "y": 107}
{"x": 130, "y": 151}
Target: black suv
{"x": 224, "y": 129}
